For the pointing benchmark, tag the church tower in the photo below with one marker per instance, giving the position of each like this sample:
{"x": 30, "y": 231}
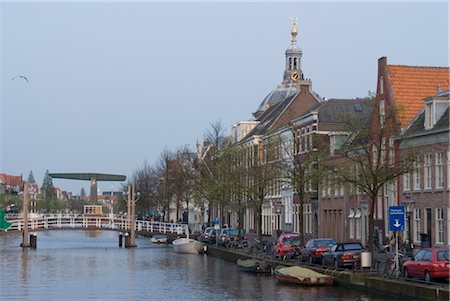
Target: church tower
{"x": 293, "y": 71}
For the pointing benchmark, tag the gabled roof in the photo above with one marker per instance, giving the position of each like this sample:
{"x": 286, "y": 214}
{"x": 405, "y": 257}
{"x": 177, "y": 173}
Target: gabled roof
{"x": 11, "y": 180}
{"x": 269, "y": 117}
{"x": 417, "y": 125}
{"x": 336, "y": 110}
{"x": 411, "y": 84}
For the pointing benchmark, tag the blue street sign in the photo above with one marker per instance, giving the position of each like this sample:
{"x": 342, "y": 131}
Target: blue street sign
{"x": 396, "y": 218}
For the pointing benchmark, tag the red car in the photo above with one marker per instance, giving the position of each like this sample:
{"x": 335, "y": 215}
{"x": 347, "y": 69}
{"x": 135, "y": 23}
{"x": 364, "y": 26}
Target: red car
{"x": 287, "y": 246}
{"x": 314, "y": 248}
{"x": 428, "y": 263}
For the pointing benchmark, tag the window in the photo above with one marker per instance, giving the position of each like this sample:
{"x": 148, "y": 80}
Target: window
{"x": 381, "y": 88}
{"x": 427, "y": 171}
{"x": 427, "y": 255}
{"x": 358, "y": 223}
{"x": 391, "y": 152}
{"x": 406, "y": 181}
{"x": 439, "y": 177}
{"x": 448, "y": 170}
{"x": 417, "y": 224}
{"x": 440, "y": 225}
{"x": 307, "y": 211}
{"x": 416, "y": 174}
{"x": 428, "y": 116}
{"x": 382, "y": 113}
{"x": 351, "y": 218}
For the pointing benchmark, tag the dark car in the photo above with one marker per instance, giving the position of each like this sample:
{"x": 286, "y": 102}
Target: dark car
{"x": 344, "y": 254}
{"x": 314, "y": 249}
{"x": 235, "y": 234}
{"x": 212, "y": 235}
{"x": 428, "y": 264}
{"x": 204, "y": 235}
{"x": 222, "y": 237}
{"x": 287, "y": 246}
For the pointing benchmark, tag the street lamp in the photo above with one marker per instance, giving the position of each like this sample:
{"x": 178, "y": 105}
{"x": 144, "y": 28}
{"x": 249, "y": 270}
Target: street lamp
{"x": 409, "y": 207}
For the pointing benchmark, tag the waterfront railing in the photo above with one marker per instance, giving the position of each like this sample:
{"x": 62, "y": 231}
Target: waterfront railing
{"x": 80, "y": 221}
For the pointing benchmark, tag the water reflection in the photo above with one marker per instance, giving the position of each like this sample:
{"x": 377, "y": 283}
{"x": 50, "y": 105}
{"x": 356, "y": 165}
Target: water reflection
{"x": 75, "y": 265}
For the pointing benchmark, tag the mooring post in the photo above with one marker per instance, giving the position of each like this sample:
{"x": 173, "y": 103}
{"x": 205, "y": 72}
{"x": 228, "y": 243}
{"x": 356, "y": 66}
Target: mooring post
{"x": 127, "y": 240}
{"x": 33, "y": 240}
{"x": 25, "y": 243}
{"x": 120, "y": 239}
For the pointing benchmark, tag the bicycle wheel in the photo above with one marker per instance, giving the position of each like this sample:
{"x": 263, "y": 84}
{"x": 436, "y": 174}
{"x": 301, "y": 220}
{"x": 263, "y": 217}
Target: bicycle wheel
{"x": 382, "y": 269}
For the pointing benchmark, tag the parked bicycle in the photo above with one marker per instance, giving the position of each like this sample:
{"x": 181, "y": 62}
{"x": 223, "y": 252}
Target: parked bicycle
{"x": 260, "y": 247}
{"x": 388, "y": 268}
{"x": 237, "y": 244}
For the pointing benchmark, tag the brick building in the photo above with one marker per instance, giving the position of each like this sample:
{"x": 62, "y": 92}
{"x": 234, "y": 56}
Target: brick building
{"x": 426, "y": 187}
{"x": 400, "y": 94}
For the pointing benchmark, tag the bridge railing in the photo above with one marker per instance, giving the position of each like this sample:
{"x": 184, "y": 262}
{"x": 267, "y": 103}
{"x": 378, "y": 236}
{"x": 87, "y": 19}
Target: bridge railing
{"x": 72, "y": 221}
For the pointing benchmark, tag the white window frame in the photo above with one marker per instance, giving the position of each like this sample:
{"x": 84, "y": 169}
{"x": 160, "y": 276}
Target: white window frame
{"x": 427, "y": 171}
{"x": 439, "y": 171}
{"x": 440, "y": 224}
{"x": 351, "y": 219}
{"x": 407, "y": 181}
{"x": 382, "y": 113}
{"x": 307, "y": 218}
{"x": 428, "y": 116}
{"x": 416, "y": 174}
{"x": 417, "y": 224}
{"x": 358, "y": 225}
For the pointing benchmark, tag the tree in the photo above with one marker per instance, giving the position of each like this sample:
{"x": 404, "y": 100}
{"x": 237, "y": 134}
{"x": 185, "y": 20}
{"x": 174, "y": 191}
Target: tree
{"x": 301, "y": 170}
{"x": 210, "y": 183}
{"x": 31, "y": 179}
{"x": 48, "y": 190}
{"x": 366, "y": 160}
{"x": 145, "y": 178}
{"x": 264, "y": 172}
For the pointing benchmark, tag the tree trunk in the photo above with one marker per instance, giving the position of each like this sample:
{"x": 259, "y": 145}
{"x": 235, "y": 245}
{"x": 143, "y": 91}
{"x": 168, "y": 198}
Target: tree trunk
{"x": 369, "y": 242}
{"x": 259, "y": 216}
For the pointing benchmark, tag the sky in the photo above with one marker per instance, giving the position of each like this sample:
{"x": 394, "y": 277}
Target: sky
{"x": 111, "y": 85}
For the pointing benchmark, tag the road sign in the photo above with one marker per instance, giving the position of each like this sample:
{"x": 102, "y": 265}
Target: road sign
{"x": 396, "y": 218}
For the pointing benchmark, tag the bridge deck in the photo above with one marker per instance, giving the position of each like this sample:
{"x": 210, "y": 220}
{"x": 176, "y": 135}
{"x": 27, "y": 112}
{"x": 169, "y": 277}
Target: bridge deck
{"x": 89, "y": 222}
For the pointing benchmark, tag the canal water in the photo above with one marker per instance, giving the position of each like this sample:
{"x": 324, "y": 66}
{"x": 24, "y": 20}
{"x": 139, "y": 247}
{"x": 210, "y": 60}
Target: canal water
{"x": 89, "y": 265}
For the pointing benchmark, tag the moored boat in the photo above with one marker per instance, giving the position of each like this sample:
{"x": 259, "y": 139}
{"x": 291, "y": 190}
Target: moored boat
{"x": 254, "y": 266}
{"x": 159, "y": 239}
{"x": 187, "y": 245}
{"x": 300, "y": 275}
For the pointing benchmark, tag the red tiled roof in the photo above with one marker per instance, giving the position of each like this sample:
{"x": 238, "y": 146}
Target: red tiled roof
{"x": 11, "y": 180}
{"x": 411, "y": 84}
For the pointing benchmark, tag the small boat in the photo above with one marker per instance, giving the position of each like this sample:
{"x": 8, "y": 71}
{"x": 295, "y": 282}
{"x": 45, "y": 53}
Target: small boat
{"x": 187, "y": 245}
{"x": 300, "y": 275}
{"x": 159, "y": 239}
{"x": 254, "y": 266}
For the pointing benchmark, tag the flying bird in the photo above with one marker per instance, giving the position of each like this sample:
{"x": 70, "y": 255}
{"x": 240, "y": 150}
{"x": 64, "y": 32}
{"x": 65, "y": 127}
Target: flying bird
{"x": 20, "y": 76}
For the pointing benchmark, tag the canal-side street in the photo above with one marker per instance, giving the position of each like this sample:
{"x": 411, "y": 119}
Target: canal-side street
{"x": 82, "y": 265}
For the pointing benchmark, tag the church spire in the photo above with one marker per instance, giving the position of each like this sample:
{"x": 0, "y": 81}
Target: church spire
{"x": 293, "y": 72}
{"x": 294, "y": 21}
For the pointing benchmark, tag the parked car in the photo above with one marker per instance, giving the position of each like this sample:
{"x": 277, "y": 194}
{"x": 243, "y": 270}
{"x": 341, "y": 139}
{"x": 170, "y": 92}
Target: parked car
{"x": 235, "y": 234}
{"x": 287, "y": 246}
{"x": 314, "y": 248}
{"x": 222, "y": 237}
{"x": 428, "y": 264}
{"x": 344, "y": 254}
{"x": 212, "y": 235}
{"x": 204, "y": 235}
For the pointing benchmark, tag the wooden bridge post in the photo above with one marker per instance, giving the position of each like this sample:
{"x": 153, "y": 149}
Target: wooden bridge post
{"x": 25, "y": 243}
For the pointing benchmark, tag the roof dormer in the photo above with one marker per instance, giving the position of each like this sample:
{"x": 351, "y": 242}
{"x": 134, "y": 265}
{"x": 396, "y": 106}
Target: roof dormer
{"x": 435, "y": 107}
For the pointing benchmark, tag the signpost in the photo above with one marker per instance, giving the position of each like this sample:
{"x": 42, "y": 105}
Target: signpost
{"x": 396, "y": 218}
{"x": 396, "y": 224}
